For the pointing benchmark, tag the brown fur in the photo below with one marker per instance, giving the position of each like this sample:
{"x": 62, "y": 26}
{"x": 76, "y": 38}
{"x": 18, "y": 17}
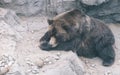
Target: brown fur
{"x": 87, "y": 36}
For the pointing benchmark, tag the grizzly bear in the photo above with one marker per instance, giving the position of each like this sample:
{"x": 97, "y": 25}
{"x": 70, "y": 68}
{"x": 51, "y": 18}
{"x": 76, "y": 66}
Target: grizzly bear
{"x": 84, "y": 35}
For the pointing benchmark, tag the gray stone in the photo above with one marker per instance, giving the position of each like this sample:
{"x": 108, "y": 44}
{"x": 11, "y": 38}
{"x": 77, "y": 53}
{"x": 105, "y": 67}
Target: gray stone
{"x": 7, "y": 1}
{"x": 69, "y": 64}
{"x": 7, "y": 44}
{"x": 15, "y": 69}
{"x": 10, "y": 17}
{"x": 32, "y": 7}
{"x": 39, "y": 63}
{"x": 107, "y": 10}
{"x": 6, "y": 62}
{"x": 9, "y": 23}
{"x": 94, "y": 2}
{"x": 24, "y": 7}
{"x": 4, "y": 70}
{"x": 8, "y": 41}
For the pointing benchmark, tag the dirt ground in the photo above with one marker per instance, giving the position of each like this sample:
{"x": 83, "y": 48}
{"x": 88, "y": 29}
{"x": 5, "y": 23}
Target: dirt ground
{"x": 27, "y": 52}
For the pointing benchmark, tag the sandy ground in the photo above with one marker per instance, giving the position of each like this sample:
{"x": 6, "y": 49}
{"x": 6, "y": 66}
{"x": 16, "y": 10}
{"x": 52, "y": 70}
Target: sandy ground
{"x": 27, "y": 52}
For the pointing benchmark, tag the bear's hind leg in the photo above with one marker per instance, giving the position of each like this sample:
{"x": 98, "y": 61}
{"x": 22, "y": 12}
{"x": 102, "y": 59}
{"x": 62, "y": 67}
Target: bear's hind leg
{"x": 107, "y": 54}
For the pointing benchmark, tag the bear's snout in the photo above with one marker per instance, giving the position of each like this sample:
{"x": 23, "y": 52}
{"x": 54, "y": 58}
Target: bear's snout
{"x": 48, "y": 45}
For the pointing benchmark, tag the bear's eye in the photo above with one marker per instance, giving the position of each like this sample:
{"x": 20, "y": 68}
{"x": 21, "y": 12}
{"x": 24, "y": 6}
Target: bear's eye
{"x": 65, "y": 27}
{"x": 54, "y": 31}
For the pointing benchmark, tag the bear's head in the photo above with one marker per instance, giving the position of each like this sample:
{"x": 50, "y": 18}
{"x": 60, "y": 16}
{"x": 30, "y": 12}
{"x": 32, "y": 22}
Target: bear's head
{"x": 63, "y": 30}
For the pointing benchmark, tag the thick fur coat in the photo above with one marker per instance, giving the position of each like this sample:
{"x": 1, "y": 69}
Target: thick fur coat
{"x": 87, "y": 36}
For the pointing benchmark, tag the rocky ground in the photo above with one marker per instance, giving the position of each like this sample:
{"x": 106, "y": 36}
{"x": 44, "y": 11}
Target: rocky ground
{"x": 20, "y": 54}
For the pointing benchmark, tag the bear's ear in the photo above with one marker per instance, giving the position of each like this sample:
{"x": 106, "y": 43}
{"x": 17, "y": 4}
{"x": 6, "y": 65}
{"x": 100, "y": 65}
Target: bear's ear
{"x": 50, "y": 22}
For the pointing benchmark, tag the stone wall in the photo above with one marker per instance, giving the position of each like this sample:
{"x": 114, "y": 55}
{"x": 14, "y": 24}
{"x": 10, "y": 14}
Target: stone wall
{"x": 32, "y": 7}
{"x": 107, "y": 10}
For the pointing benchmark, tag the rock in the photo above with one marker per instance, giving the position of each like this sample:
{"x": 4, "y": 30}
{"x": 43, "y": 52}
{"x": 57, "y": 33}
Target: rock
{"x": 4, "y": 70}
{"x": 106, "y": 10}
{"x": 58, "y": 54}
{"x": 48, "y": 61}
{"x": 30, "y": 63}
{"x": 7, "y": 44}
{"x": 8, "y": 41}
{"x": 39, "y": 63}
{"x": 69, "y": 64}
{"x": 15, "y": 69}
{"x": 65, "y": 5}
{"x": 34, "y": 66}
{"x": 33, "y": 7}
{"x": 116, "y": 18}
{"x": 9, "y": 16}
{"x": 93, "y": 65}
{"x": 57, "y": 58}
{"x": 6, "y": 62}
{"x": 94, "y": 2}
{"x": 119, "y": 61}
{"x": 24, "y": 7}
{"x": 108, "y": 73}
{"x": 35, "y": 70}
{"x": 15, "y": 73}
{"x": 7, "y": 1}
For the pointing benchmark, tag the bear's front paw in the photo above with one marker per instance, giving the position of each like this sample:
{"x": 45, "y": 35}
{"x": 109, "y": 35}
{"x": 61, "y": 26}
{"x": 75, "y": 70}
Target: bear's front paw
{"x": 108, "y": 62}
{"x": 44, "y": 45}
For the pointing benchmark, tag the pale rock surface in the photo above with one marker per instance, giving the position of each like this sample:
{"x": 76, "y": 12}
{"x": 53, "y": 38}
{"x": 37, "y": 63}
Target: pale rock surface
{"x": 69, "y": 64}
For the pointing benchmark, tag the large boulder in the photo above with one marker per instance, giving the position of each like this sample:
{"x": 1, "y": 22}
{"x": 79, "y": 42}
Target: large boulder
{"x": 8, "y": 39}
{"x": 106, "y": 10}
{"x": 8, "y": 34}
{"x": 24, "y": 7}
{"x": 9, "y": 17}
{"x": 69, "y": 64}
{"x": 32, "y": 7}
